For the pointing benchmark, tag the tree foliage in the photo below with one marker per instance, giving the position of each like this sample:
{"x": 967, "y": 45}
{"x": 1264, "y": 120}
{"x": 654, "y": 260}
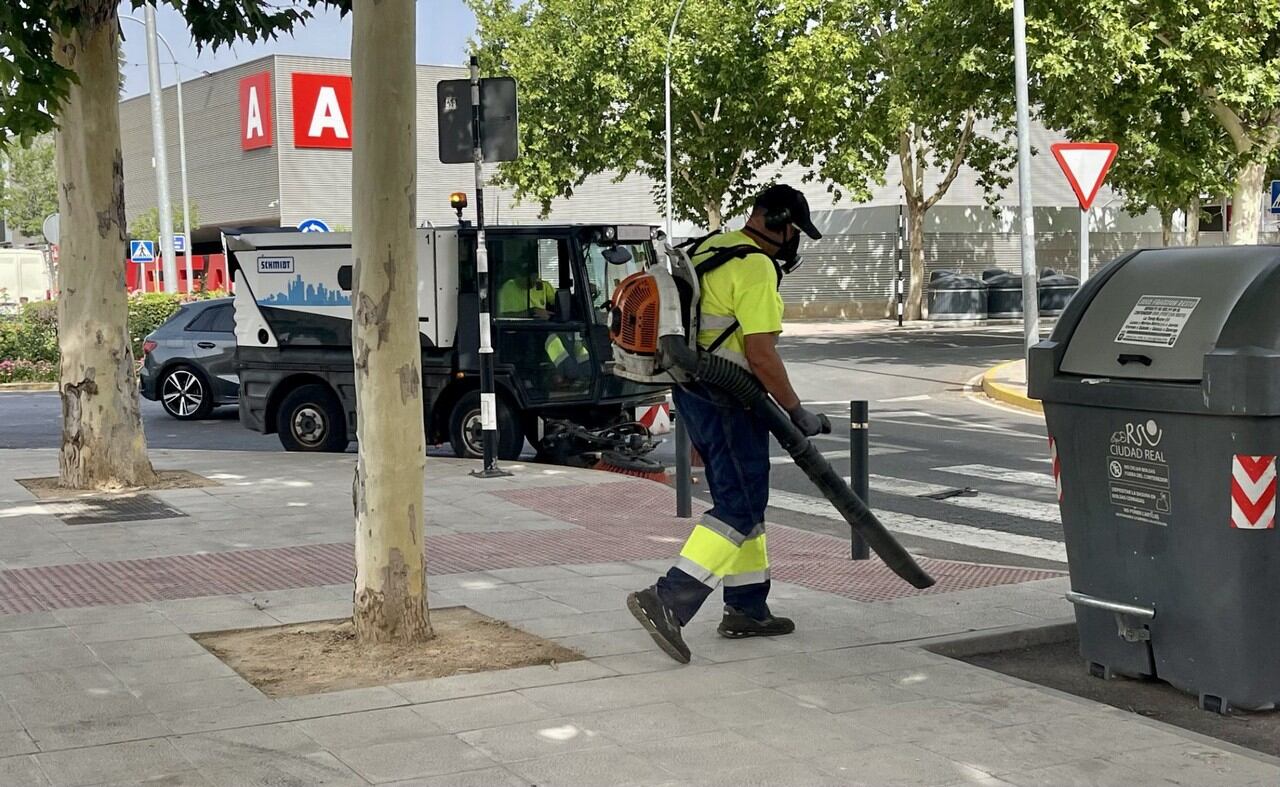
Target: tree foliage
{"x": 1191, "y": 88}
{"x": 871, "y": 80}
{"x": 31, "y": 192}
{"x": 591, "y": 95}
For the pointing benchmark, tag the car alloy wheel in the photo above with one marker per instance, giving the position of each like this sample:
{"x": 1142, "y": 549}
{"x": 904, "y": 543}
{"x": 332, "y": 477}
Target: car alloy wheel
{"x": 182, "y": 393}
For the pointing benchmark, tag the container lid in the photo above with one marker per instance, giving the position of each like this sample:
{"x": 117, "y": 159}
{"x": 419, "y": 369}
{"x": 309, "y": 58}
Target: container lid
{"x": 940, "y": 274}
{"x": 1005, "y": 281}
{"x": 991, "y": 273}
{"x": 1059, "y": 280}
{"x": 1162, "y": 310}
{"x": 957, "y": 283}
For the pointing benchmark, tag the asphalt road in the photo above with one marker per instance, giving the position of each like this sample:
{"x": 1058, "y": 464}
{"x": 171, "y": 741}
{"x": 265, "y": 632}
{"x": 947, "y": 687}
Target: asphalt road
{"x": 930, "y": 435}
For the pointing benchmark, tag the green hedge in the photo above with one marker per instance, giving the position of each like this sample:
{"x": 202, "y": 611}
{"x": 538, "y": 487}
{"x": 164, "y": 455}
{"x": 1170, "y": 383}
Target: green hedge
{"x": 31, "y": 338}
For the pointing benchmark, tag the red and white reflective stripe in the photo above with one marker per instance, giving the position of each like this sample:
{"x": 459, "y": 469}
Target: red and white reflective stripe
{"x": 1253, "y": 492}
{"x": 1057, "y": 467}
{"x": 657, "y": 418}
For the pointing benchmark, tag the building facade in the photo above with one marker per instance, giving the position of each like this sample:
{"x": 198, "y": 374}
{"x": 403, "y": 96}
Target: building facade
{"x": 269, "y": 143}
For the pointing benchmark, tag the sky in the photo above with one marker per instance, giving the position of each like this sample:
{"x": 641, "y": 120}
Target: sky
{"x": 443, "y": 29}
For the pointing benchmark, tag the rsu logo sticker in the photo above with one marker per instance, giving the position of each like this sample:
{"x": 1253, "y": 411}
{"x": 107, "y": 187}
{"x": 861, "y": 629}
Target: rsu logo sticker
{"x": 1138, "y": 441}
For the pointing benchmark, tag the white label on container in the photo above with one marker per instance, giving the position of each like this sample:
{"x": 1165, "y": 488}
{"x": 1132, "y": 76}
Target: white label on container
{"x": 1157, "y": 320}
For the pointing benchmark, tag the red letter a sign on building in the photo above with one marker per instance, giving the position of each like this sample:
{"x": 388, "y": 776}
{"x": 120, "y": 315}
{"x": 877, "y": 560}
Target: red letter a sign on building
{"x": 255, "y": 111}
{"x": 321, "y": 111}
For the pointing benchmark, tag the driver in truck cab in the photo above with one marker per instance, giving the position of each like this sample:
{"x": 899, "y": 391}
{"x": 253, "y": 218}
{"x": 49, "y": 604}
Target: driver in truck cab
{"x": 525, "y": 294}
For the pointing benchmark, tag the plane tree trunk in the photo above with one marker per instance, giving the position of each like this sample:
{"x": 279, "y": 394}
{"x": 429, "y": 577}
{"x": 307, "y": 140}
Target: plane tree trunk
{"x": 103, "y": 446}
{"x": 914, "y": 308}
{"x": 390, "y": 601}
{"x": 1193, "y": 222}
{"x": 1246, "y": 203}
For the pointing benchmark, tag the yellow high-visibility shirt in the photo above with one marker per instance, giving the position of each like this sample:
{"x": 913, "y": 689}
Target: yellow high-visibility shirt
{"x": 517, "y": 300}
{"x": 745, "y": 289}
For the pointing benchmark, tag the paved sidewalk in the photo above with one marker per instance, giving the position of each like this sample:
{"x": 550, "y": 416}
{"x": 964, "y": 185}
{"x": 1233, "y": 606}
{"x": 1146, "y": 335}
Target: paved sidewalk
{"x": 102, "y": 684}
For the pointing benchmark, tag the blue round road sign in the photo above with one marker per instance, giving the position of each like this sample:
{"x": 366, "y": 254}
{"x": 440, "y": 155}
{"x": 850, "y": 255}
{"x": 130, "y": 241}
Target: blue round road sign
{"x": 312, "y": 225}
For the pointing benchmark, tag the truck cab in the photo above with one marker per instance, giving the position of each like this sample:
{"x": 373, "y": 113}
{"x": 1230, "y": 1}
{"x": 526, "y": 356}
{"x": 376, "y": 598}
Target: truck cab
{"x": 549, "y": 287}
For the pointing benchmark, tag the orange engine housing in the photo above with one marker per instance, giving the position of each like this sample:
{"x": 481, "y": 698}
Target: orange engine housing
{"x": 633, "y": 320}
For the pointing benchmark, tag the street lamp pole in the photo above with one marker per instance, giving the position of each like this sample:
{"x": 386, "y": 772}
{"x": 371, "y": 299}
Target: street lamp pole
{"x": 1030, "y": 298}
{"x": 684, "y": 481}
{"x": 182, "y": 167}
{"x": 161, "y": 157}
{"x": 182, "y": 137}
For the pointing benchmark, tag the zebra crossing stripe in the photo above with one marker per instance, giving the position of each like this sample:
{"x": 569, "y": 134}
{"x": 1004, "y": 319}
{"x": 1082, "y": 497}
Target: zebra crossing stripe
{"x": 996, "y": 504}
{"x": 923, "y": 527}
{"x": 993, "y": 473}
{"x": 828, "y": 455}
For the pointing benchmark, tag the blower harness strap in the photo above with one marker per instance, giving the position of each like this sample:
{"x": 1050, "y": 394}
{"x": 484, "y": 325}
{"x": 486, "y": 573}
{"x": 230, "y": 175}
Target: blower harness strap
{"x": 717, "y": 258}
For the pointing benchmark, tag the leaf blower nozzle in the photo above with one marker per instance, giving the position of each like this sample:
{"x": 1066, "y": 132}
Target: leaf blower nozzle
{"x": 728, "y": 377}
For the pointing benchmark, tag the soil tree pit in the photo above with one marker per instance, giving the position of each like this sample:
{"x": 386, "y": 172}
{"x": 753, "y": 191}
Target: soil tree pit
{"x": 310, "y": 658}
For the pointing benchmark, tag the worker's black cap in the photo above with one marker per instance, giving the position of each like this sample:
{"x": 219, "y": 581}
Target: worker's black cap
{"x": 782, "y": 197}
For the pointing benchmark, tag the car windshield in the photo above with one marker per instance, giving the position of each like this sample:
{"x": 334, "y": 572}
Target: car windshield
{"x": 606, "y": 274}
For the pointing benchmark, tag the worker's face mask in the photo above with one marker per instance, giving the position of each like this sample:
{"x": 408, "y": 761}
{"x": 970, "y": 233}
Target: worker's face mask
{"x": 788, "y": 256}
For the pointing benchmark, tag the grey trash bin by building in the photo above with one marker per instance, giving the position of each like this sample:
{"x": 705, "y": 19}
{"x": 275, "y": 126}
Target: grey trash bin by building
{"x": 957, "y": 298}
{"x": 1161, "y": 391}
{"x": 1004, "y": 296}
{"x": 1054, "y": 290}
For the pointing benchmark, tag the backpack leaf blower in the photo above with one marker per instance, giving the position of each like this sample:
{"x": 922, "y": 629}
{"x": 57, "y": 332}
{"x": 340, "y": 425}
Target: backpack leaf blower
{"x": 654, "y": 321}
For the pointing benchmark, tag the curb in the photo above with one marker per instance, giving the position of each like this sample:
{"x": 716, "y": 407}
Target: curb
{"x": 28, "y": 387}
{"x": 1007, "y": 393}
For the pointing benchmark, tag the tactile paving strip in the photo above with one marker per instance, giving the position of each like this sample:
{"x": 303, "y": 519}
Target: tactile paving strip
{"x": 631, "y": 527}
{"x": 813, "y": 560}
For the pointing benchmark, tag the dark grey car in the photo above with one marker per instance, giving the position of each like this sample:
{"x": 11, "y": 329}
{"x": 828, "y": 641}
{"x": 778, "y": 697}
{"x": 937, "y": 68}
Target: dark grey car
{"x": 189, "y": 363}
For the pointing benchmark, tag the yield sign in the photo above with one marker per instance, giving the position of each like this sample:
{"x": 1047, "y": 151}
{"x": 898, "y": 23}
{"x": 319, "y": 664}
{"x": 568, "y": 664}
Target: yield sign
{"x": 1085, "y": 165}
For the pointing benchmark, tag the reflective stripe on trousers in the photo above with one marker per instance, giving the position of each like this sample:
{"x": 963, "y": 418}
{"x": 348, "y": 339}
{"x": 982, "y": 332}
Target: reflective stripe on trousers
{"x": 716, "y": 553}
{"x": 728, "y": 546}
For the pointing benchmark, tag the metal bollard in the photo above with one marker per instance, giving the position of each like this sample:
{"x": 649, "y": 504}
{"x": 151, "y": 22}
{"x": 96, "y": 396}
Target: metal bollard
{"x": 684, "y": 473}
{"x": 859, "y": 470}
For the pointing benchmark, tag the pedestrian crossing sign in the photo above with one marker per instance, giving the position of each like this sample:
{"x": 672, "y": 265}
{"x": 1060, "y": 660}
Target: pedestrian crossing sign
{"x": 1275, "y": 196}
{"x": 142, "y": 251}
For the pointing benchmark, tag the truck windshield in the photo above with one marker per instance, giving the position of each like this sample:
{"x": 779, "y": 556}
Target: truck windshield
{"x": 606, "y": 275}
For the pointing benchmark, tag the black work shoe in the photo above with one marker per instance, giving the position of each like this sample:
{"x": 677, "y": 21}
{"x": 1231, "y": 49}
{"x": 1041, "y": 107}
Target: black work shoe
{"x": 738, "y": 625}
{"x": 659, "y": 622}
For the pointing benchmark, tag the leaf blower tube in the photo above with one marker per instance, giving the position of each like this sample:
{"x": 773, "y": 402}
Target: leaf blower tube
{"x": 717, "y": 372}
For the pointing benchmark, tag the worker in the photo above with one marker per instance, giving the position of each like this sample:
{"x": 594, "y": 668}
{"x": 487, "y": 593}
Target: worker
{"x": 525, "y": 294}
{"x": 741, "y": 319}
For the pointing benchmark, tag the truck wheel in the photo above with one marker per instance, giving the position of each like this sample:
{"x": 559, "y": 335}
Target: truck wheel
{"x": 312, "y": 419}
{"x": 466, "y": 436}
